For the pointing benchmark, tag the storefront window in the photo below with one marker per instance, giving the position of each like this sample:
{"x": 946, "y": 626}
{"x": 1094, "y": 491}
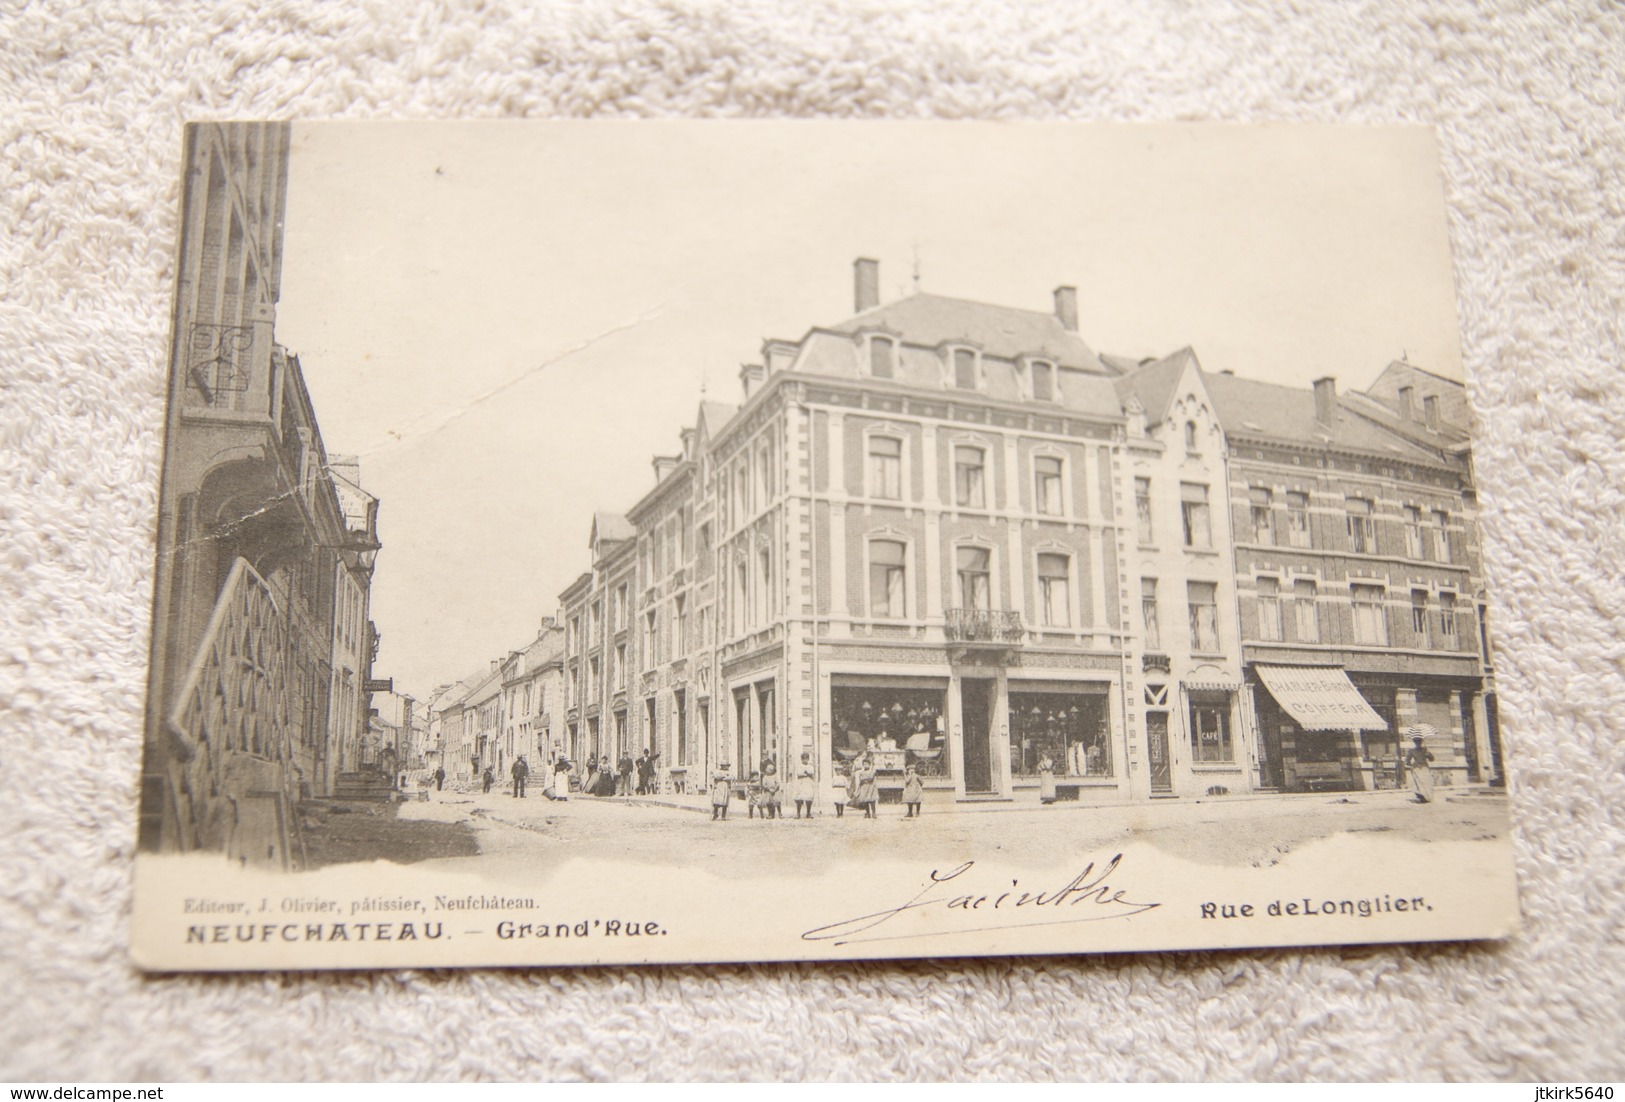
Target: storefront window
{"x": 901, "y": 727}
{"x": 1210, "y": 728}
{"x": 1070, "y": 728}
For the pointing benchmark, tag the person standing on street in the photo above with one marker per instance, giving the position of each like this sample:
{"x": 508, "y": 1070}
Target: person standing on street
{"x": 520, "y": 771}
{"x": 913, "y": 793}
{"x": 865, "y": 791}
{"x": 440, "y": 778}
{"x": 1419, "y": 760}
{"x": 490, "y": 779}
{"x": 721, "y": 793}
{"x": 802, "y": 788}
{"x": 624, "y": 768}
{"x": 1046, "y": 780}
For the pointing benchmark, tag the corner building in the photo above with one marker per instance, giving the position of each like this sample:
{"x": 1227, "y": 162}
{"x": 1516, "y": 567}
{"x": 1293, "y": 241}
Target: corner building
{"x": 907, "y": 539}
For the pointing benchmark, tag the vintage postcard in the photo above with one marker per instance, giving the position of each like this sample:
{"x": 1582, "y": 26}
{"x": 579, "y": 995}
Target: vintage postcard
{"x": 673, "y": 542}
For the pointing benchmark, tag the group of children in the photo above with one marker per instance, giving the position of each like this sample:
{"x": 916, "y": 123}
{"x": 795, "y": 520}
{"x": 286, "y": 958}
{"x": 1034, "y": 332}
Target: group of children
{"x": 855, "y": 786}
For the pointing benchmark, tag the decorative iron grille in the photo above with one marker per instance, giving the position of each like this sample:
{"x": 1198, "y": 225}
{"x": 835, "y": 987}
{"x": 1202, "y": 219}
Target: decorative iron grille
{"x": 974, "y": 625}
{"x": 217, "y": 359}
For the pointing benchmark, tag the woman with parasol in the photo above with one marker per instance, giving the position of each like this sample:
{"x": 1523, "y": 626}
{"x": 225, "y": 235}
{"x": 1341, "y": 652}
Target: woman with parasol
{"x": 1419, "y": 761}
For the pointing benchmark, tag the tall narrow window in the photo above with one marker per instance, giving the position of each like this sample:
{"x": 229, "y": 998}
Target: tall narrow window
{"x": 886, "y": 467}
{"x": 1054, "y": 590}
{"x": 887, "y": 575}
{"x": 1263, "y": 516}
{"x": 964, "y": 369}
{"x": 1194, "y": 508}
{"x": 1413, "y": 532}
{"x": 1306, "y": 614}
{"x": 764, "y": 586}
{"x": 1447, "y": 619}
{"x": 973, "y": 578}
{"x": 1370, "y": 626}
{"x": 1148, "y": 612}
{"x": 679, "y": 631}
{"x": 1142, "y": 508}
{"x": 1441, "y": 536}
{"x": 1362, "y": 527}
{"x": 882, "y": 357}
{"x": 1043, "y": 381}
{"x": 969, "y": 488}
{"x": 1269, "y": 610}
{"x": 1204, "y": 610}
{"x": 1297, "y": 520}
{"x": 620, "y": 665}
{"x": 741, "y": 594}
{"x": 1419, "y": 616}
{"x": 1190, "y": 436}
{"x": 1047, "y": 485}
{"x": 649, "y": 656}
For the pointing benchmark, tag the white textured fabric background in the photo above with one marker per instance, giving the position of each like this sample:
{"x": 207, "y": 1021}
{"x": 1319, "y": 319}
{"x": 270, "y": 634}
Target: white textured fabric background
{"x": 1529, "y": 105}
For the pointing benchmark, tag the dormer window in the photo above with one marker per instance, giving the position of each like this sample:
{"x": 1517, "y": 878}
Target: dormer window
{"x": 1043, "y": 374}
{"x": 964, "y": 368}
{"x": 882, "y": 357}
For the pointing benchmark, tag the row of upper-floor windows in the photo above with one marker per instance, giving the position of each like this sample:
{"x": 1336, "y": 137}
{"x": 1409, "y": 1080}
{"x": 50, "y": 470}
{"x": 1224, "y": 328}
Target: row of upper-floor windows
{"x": 1195, "y": 514}
{"x": 890, "y": 595}
{"x": 749, "y": 482}
{"x": 970, "y": 479}
{"x": 1433, "y": 623}
{"x": 963, "y": 369}
{"x": 1284, "y": 520}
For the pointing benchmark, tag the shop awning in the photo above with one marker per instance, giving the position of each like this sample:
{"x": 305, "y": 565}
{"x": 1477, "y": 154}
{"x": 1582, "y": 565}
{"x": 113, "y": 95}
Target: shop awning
{"x": 1320, "y": 698}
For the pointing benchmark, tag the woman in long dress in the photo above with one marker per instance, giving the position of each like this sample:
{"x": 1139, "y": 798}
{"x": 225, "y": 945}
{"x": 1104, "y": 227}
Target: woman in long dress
{"x": 1046, "y": 779}
{"x": 1419, "y": 760}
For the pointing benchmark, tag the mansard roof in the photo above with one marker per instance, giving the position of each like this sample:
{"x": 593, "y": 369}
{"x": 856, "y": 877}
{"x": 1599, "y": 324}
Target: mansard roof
{"x": 1002, "y": 331}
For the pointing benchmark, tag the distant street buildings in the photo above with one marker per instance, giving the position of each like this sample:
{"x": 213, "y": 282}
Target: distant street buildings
{"x": 953, "y": 536}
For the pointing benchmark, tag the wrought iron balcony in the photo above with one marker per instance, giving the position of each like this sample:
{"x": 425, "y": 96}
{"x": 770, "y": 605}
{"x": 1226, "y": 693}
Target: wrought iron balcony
{"x": 977, "y": 625}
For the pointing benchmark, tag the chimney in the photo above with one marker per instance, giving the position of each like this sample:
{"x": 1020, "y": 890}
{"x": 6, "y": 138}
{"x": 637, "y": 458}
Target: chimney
{"x": 1066, "y": 308}
{"x": 664, "y": 465}
{"x": 1407, "y": 396}
{"x": 865, "y": 284}
{"x": 1325, "y": 399}
{"x": 1430, "y": 412}
{"x": 750, "y": 377}
{"x": 689, "y": 436}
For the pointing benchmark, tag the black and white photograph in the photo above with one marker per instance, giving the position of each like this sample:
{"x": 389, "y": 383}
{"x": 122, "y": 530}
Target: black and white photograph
{"x": 699, "y": 541}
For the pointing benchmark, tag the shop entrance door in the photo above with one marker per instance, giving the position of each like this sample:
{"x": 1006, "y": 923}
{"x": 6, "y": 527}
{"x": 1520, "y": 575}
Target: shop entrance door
{"x": 976, "y": 711}
{"x": 1156, "y": 737}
